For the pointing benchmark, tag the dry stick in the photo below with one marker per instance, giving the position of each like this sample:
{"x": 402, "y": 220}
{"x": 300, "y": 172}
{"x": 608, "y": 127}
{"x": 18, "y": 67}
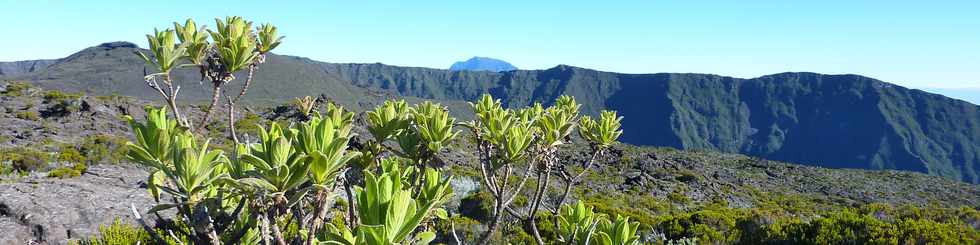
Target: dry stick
{"x": 175, "y": 237}
{"x": 452, "y": 227}
{"x": 171, "y": 97}
{"x": 139, "y": 218}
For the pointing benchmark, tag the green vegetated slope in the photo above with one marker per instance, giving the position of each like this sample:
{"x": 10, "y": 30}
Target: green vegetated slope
{"x": 825, "y": 120}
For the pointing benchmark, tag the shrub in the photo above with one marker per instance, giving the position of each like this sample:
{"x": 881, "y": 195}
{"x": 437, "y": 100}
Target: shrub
{"x": 478, "y": 205}
{"x": 25, "y": 159}
{"x": 120, "y": 233}
{"x": 70, "y": 155}
{"x": 64, "y": 172}
{"x": 249, "y": 124}
{"x": 28, "y": 115}
{"x": 57, "y": 96}
{"x": 16, "y": 89}
{"x": 103, "y": 148}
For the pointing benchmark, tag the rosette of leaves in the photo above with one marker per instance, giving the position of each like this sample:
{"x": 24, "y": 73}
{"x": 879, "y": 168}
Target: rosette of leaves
{"x": 279, "y": 167}
{"x": 577, "y": 223}
{"x": 603, "y": 132}
{"x": 235, "y": 44}
{"x": 557, "y": 122}
{"x": 434, "y": 125}
{"x": 194, "y": 39}
{"x": 389, "y": 120}
{"x": 153, "y": 144}
{"x": 166, "y": 52}
{"x": 268, "y": 39}
{"x": 389, "y": 214}
{"x": 617, "y": 232}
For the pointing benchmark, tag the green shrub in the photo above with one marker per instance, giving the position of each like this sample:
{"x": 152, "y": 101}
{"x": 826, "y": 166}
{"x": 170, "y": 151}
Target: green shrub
{"x": 16, "y": 89}
{"x": 103, "y": 148}
{"x": 678, "y": 196}
{"x": 478, "y": 205}
{"x": 28, "y": 115}
{"x": 24, "y": 159}
{"x": 248, "y": 124}
{"x": 70, "y": 155}
{"x": 687, "y": 176}
{"x": 64, "y": 172}
{"x": 120, "y": 233}
{"x": 55, "y": 96}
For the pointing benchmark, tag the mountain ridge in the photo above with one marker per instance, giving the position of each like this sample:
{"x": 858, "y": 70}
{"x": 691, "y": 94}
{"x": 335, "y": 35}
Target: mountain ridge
{"x": 826, "y": 120}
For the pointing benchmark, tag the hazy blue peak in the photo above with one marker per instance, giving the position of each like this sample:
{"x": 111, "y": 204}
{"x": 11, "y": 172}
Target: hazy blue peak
{"x": 482, "y": 64}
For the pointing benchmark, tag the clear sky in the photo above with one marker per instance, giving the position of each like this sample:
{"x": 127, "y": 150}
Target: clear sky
{"x": 921, "y": 44}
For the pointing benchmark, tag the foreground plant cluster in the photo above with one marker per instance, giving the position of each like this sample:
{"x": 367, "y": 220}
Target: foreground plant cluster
{"x": 282, "y": 188}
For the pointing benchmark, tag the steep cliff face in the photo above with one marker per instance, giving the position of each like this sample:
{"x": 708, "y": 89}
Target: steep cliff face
{"x": 826, "y": 120}
{"x": 22, "y": 67}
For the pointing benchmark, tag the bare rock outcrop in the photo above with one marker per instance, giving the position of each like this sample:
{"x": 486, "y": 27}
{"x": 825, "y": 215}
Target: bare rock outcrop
{"x": 40, "y": 210}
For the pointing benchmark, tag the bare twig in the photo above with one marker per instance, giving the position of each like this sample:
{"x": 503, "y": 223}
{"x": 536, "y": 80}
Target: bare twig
{"x": 139, "y": 218}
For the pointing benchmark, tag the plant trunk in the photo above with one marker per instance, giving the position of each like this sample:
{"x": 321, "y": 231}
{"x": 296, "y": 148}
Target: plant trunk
{"x": 266, "y": 234}
{"x": 348, "y": 191}
{"x": 321, "y": 215}
{"x": 538, "y": 198}
{"x": 215, "y": 95}
{"x": 231, "y": 122}
{"x": 276, "y": 232}
{"x": 494, "y": 223}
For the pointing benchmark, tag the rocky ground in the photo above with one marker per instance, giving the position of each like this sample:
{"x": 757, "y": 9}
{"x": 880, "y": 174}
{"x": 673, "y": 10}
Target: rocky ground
{"x": 38, "y": 209}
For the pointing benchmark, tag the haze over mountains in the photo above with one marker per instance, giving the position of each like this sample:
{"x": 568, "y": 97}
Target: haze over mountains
{"x": 827, "y": 120}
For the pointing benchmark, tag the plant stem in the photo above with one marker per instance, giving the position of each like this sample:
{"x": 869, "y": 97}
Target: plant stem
{"x": 215, "y": 94}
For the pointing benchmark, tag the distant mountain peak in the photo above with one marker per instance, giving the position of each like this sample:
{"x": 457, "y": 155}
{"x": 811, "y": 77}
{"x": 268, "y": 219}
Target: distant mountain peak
{"x": 478, "y": 63}
{"x": 117, "y": 44}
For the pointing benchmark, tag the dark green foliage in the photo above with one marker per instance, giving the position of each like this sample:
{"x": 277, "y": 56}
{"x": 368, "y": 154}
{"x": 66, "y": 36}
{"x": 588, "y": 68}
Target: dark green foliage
{"x": 478, "y": 205}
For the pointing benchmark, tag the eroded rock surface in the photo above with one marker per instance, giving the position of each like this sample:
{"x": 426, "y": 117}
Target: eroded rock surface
{"x": 41, "y": 210}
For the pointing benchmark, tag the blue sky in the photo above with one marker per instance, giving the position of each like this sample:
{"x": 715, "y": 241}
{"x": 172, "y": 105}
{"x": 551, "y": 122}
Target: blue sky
{"x": 932, "y": 45}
